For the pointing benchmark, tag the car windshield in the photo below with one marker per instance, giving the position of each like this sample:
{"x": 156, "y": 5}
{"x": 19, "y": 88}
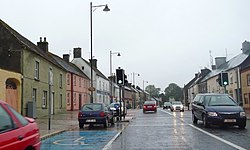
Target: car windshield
{"x": 149, "y": 102}
{"x": 176, "y": 103}
{"x": 221, "y": 100}
{"x": 167, "y": 103}
{"x": 92, "y": 107}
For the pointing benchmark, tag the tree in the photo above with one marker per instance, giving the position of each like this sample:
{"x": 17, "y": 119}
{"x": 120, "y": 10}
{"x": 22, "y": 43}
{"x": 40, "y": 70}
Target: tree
{"x": 154, "y": 92}
{"x": 174, "y": 91}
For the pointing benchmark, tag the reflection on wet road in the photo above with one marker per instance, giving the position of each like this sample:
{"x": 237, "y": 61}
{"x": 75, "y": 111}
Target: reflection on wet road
{"x": 174, "y": 130}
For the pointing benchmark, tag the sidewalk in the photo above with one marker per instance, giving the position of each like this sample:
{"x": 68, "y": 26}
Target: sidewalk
{"x": 68, "y": 121}
{"x": 247, "y": 113}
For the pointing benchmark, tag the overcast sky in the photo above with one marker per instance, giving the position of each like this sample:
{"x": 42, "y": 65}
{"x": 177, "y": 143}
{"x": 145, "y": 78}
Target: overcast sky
{"x": 165, "y": 41}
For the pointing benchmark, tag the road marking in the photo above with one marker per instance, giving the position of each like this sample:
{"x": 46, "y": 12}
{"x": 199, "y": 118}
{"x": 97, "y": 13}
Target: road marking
{"x": 156, "y": 125}
{"x": 218, "y": 138}
{"x": 78, "y": 141}
{"x": 107, "y": 146}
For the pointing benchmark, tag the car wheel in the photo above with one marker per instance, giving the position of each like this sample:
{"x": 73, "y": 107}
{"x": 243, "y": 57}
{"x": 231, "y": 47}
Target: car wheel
{"x": 113, "y": 121}
{"x": 195, "y": 120}
{"x": 204, "y": 119}
{"x": 242, "y": 126}
{"x": 106, "y": 123}
{"x": 81, "y": 125}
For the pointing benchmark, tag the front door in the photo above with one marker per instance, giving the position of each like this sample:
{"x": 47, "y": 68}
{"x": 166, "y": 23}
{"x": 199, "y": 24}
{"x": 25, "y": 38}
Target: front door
{"x": 80, "y": 101}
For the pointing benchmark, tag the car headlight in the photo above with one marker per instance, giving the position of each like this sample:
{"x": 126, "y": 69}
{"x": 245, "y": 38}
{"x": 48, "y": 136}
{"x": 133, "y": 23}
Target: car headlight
{"x": 242, "y": 114}
{"x": 213, "y": 114}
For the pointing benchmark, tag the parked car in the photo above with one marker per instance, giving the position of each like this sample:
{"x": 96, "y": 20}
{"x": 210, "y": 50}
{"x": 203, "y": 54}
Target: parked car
{"x": 149, "y": 106}
{"x": 166, "y": 105}
{"x": 16, "y": 131}
{"x": 95, "y": 113}
{"x": 218, "y": 109}
{"x": 176, "y": 105}
{"x": 115, "y": 107}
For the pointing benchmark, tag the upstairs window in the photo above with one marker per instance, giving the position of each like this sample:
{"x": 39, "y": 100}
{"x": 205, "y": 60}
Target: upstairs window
{"x": 37, "y": 70}
{"x": 248, "y": 79}
{"x": 60, "y": 81}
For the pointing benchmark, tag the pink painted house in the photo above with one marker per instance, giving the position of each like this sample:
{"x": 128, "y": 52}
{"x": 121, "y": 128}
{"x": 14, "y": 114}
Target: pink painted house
{"x": 77, "y": 84}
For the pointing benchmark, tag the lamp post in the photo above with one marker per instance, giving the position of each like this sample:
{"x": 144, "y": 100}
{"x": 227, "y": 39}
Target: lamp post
{"x": 111, "y": 75}
{"x": 91, "y": 47}
{"x": 134, "y": 84}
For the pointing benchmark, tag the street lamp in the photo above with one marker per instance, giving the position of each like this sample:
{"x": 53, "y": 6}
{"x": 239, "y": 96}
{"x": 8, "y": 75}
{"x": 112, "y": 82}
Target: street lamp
{"x": 111, "y": 75}
{"x": 134, "y": 84}
{"x": 91, "y": 47}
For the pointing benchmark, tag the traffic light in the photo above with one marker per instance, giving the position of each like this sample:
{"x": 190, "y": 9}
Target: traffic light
{"x": 120, "y": 76}
{"x": 224, "y": 78}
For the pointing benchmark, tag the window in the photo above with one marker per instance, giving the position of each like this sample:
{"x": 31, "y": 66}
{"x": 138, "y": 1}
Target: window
{"x": 248, "y": 79}
{"x": 74, "y": 80}
{"x": 68, "y": 79}
{"x": 231, "y": 78}
{"x": 68, "y": 98}
{"x": 23, "y": 121}
{"x": 60, "y": 82}
{"x": 34, "y": 95}
{"x": 74, "y": 98}
{"x": 80, "y": 82}
{"x": 44, "y": 99}
{"x": 37, "y": 70}
{"x": 60, "y": 101}
{"x": 6, "y": 122}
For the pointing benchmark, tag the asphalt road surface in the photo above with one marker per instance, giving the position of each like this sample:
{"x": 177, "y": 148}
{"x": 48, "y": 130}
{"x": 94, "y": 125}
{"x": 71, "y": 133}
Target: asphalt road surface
{"x": 174, "y": 130}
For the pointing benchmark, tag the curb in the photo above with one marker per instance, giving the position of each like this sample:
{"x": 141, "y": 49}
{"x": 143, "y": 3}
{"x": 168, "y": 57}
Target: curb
{"x": 51, "y": 134}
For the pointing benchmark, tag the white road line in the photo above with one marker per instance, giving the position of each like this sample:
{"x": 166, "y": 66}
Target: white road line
{"x": 107, "y": 146}
{"x": 218, "y": 138}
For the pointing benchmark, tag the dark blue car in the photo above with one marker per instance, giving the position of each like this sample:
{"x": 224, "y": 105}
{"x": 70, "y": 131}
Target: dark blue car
{"x": 95, "y": 113}
{"x": 217, "y": 109}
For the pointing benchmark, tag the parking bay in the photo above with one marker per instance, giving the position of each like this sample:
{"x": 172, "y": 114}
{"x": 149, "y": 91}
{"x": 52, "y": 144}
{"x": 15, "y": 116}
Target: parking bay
{"x": 78, "y": 140}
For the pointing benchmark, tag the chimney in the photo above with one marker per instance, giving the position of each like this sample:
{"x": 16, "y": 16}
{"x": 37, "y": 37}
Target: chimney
{"x": 43, "y": 45}
{"x": 196, "y": 75}
{"x": 94, "y": 63}
{"x": 66, "y": 57}
{"x": 245, "y": 47}
{"x": 213, "y": 67}
{"x": 219, "y": 61}
{"x": 204, "y": 72}
{"x": 77, "y": 52}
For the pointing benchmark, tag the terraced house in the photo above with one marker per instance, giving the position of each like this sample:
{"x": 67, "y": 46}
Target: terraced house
{"x": 29, "y": 74}
{"x": 238, "y": 72}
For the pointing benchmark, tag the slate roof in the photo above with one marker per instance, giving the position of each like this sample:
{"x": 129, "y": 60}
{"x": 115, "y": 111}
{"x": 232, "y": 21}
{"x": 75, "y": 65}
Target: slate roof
{"x": 232, "y": 63}
{"x": 70, "y": 67}
{"x": 98, "y": 72}
{"x": 28, "y": 44}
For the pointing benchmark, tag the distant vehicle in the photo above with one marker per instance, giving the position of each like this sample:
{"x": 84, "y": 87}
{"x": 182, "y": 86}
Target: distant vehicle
{"x": 95, "y": 113}
{"x": 166, "y": 105}
{"x": 16, "y": 131}
{"x": 217, "y": 109}
{"x": 115, "y": 107}
{"x": 176, "y": 105}
{"x": 149, "y": 106}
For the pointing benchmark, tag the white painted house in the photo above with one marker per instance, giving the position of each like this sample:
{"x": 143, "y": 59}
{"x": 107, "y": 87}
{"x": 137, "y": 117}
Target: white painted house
{"x": 100, "y": 82}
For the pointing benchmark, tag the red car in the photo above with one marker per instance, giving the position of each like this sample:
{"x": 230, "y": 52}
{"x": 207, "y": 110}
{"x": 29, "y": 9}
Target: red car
{"x": 16, "y": 131}
{"x": 149, "y": 106}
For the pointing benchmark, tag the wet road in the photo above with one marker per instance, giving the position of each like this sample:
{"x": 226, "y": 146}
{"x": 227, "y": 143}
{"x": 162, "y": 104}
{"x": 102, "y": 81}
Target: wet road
{"x": 174, "y": 130}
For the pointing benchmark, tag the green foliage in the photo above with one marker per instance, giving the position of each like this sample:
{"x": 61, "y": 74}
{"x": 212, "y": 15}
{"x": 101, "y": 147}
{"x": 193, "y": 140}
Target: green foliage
{"x": 153, "y": 91}
{"x": 174, "y": 91}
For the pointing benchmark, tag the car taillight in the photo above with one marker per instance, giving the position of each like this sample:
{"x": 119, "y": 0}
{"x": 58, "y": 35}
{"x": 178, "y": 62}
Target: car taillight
{"x": 154, "y": 106}
{"x": 79, "y": 114}
{"x": 144, "y": 106}
{"x": 102, "y": 114}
